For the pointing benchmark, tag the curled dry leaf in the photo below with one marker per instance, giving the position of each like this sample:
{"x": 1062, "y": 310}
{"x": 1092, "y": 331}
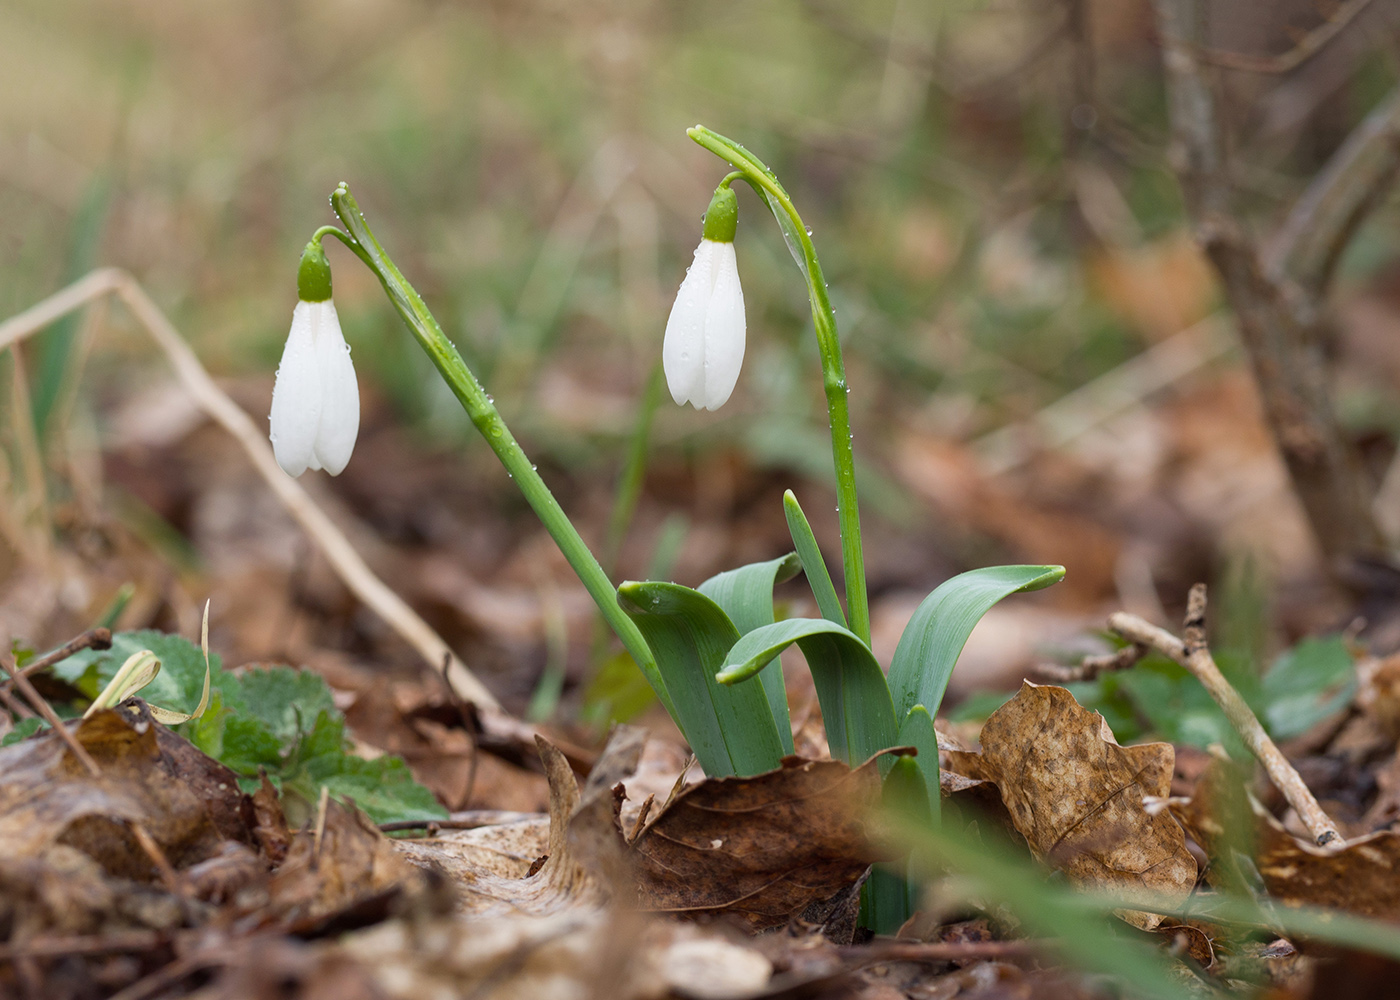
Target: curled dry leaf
{"x": 762, "y": 848}
{"x": 1077, "y": 796}
{"x": 189, "y": 803}
{"x": 491, "y": 872}
{"x": 1360, "y": 877}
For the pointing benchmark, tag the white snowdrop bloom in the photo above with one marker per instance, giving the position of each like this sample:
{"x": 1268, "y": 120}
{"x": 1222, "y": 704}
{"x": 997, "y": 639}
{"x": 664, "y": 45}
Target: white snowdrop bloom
{"x": 316, "y": 401}
{"x": 704, "y": 345}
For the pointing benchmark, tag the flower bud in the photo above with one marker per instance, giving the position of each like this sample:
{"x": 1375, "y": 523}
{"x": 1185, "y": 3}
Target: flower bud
{"x": 704, "y": 345}
{"x": 316, "y": 400}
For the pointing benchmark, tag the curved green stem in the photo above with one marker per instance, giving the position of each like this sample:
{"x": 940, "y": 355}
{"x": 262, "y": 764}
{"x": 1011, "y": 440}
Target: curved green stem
{"x": 484, "y": 416}
{"x": 763, "y": 181}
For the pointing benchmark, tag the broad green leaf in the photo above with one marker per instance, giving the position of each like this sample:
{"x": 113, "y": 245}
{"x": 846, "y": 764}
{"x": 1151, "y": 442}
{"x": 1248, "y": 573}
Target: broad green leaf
{"x": 746, "y": 595}
{"x": 383, "y": 787}
{"x": 818, "y": 578}
{"x": 286, "y": 701}
{"x": 23, "y": 729}
{"x": 1305, "y": 685}
{"x": 855, "y": 699}
{"x": 619, "y": 692}
{"x": 928, "y": 649}
{"x": 731, "y": 730}
{"x": 179, "y": 685}
{"x": 917, "y": 731}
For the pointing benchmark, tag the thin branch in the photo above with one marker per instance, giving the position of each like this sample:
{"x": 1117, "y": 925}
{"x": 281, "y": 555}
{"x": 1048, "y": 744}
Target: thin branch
{"x": 1091, "y": 666}
{"x": 142, "y": 835}
{"x": 1194, "y": 655}
{"x": 1323, "y": 220}
{"x": 344, "y": 559}
{"x": 93, "y": 638}
{"x": 1310, "y": 44}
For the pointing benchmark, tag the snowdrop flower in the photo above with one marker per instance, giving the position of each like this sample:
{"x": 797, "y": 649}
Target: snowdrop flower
{"x": 704, "y": 345}
{"x": 316, "y": 401}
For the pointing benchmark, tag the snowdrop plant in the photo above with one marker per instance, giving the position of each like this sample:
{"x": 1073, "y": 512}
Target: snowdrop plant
{"x": 316, "y": 400}
{"x": 711, "y": 653}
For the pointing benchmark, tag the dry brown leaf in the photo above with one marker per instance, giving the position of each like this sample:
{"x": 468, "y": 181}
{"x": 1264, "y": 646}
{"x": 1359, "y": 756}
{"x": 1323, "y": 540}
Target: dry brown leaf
{"x": 583, "y": 844}
{"x": 1362, "y": 877}
{"x": 763, "y": 848}
{"x": 1077, "y": 796}
{"x": 189, "y": 803}
{"x": 349, "y": 861}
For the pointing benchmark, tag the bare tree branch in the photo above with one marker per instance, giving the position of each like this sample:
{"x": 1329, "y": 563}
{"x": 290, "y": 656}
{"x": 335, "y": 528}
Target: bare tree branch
{"x": 1311, "y": 240}
{"x": 1282, "y": 324}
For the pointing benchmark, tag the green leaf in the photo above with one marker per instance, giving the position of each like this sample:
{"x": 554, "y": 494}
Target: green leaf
{"x": 936, "y": 634}
{"x": 22, "y": 730}
{"x": 179, "y": 684}
{"x": 275, "y": 719}
{"x": 731, "y": 730}
{"x": 383, "y": 787}
{"x": 746, "y": 595}
{"x": 917, "y": 731}
{"x": 855, "y": 699}
{"x": 818, "y": 577}
{"x": 891, "y": 898}
{"x": 286, "y": 701}
{"x": 1309, "y": 682}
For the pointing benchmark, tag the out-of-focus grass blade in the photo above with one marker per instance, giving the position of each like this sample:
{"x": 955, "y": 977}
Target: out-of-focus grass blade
{"x": 746, "y": 595}
{"x": 928, "y": 649}
{"x": 855, "y": 699}
{"x": 1093, "y": 941}
{"x": 916, "y": 730}
{"x": 813, "y": 565}
{"x": 53, "y": 370}
{"x": 730, "y": 729}
{"x": 629, "y": 482}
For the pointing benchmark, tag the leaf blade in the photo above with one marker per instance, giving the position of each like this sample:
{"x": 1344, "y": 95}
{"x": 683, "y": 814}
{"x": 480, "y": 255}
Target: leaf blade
{"x": 731, "y": 730}
{"x": 932, "y": 641}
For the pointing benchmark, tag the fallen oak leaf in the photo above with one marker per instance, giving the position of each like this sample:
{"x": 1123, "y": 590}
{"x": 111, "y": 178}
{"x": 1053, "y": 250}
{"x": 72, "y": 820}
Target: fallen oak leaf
{"x": 763, "y": 847}
{"x": 1077, "y": 796}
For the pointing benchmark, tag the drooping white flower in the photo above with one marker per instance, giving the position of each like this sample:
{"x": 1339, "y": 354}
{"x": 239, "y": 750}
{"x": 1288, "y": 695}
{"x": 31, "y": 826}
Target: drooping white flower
{"x": 704, "y": 345}
{"x": 316, "y": 400}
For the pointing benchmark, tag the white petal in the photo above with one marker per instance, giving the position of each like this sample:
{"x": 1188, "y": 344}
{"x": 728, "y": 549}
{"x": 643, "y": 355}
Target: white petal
{"x": 724, "y": 331}
{"x": 683, "y": 350}
{"x": 340, "y": 394}
{"x": 296, "y": 398}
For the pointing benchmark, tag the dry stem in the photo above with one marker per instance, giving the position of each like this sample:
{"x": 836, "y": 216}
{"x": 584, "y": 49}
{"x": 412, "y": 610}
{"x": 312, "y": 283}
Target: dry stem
{"x": 1194, "y": 655}
{"x": 344, "y": 559}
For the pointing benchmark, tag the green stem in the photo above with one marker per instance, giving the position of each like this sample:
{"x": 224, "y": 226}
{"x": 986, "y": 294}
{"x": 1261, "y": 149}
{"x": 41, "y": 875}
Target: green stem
{"x": 484, "y": 416}
{"x": 763, "y": 181}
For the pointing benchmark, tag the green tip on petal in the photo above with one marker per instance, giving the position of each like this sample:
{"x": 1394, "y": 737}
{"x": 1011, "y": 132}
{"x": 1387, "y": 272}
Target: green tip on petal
{"x": 314, "y": 274}
{"x": 722, "y": 217}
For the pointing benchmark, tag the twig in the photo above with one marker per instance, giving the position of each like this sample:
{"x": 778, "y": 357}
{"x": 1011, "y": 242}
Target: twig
{"x": 142, "y": 835}
{"x": 1282, "y": 323}
{"x": 99, "y": 944}
{"x": 1323, "y": 220}
{"x": 1091, "y": 666}
{"x": 1307, "y": 47}
{"x": 93, "y": 638}
{"x": 940, "y": 951}
{"x": 470, "y": 820}
{"x": 344, "y": 559}
{"x": 1194, "y": 655}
